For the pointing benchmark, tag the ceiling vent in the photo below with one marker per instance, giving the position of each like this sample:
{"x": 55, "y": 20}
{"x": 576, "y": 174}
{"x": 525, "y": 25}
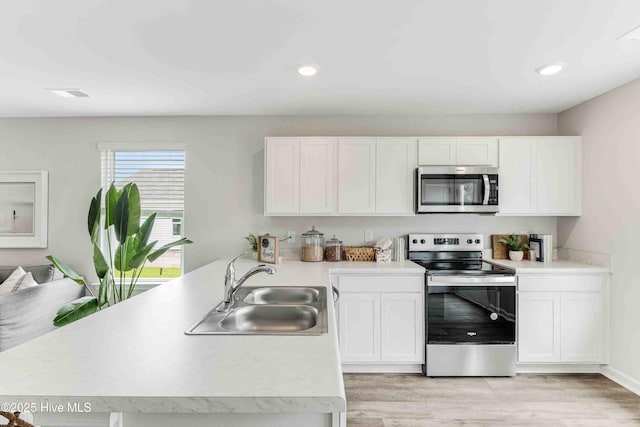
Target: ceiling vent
{"x": 633, "y": 35}
{"x": 69, "y": 93}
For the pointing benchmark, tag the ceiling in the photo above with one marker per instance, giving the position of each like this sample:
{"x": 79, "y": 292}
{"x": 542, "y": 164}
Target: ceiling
{"x": 199, "y": 57}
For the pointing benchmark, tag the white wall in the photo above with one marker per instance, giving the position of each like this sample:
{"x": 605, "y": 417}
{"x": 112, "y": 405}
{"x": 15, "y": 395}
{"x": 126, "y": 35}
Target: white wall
{"x": 610, "y": 223}
{"x": 224, "y": 177}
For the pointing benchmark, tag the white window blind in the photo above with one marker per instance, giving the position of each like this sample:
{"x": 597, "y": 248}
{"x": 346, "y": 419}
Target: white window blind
{"x": 158, "y": 171}
{"x": 159, "y": 175}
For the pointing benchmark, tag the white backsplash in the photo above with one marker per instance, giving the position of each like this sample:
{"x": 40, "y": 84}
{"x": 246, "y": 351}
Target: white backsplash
{"x": 585, "y": 257}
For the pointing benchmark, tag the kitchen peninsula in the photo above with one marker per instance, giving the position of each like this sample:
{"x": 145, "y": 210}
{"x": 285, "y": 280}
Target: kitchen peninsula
{"x": 135, "y": 359}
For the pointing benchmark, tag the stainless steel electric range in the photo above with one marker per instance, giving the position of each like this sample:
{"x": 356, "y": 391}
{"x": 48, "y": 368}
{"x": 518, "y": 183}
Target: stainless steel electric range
{"x": 470, "y": 307}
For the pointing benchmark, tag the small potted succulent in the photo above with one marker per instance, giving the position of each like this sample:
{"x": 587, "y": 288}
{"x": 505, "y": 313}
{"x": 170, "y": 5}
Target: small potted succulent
{"x": 515, "y": 245}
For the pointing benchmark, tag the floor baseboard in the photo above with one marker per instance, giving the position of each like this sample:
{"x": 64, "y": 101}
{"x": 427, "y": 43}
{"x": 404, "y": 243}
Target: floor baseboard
{"x": 621, "y": 378}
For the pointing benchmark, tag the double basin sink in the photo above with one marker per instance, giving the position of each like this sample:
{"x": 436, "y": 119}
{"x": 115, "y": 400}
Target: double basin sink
{"x": 271, "y": 310}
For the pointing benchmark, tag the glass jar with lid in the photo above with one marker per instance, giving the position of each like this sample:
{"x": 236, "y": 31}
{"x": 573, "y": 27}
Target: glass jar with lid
{"x": 312, "y": 245}
{"x": 333, "y": 249}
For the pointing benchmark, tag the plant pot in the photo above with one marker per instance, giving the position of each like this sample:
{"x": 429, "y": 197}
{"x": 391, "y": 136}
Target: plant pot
{"x": 516, "y": 255}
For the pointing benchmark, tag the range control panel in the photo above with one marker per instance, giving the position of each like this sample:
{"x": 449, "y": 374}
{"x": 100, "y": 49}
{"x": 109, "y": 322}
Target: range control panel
{"x": 445, "y": 242}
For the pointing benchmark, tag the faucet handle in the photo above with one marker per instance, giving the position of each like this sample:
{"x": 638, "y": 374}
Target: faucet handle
{"x": 230, "y": 276}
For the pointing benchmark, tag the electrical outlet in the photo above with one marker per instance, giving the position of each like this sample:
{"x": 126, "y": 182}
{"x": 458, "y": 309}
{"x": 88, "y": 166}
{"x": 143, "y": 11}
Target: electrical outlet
{"x": 291, "y": 235}
{"x": 368, "y": 236}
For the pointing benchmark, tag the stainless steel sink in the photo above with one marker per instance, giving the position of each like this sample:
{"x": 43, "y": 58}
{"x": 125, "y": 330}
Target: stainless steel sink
{"x": 282, "y": 295}
{"x": 273, "y": 310}
{"x": 271, "y": 318}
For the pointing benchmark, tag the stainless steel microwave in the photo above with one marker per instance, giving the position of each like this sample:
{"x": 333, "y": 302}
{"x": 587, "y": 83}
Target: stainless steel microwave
{"x": 456, "y": 189}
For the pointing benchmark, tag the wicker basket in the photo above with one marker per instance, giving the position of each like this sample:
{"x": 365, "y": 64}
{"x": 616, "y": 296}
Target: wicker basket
{"x": 359, "y": 253}
{"x": 383, "y": 255}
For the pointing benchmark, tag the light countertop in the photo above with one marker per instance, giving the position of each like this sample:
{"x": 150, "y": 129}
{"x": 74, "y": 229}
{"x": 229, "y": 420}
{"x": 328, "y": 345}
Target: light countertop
{"x": 553, "y": 267}
{"x": 135, "y": 357}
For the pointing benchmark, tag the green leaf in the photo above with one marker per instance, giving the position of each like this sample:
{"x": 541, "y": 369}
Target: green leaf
{"x": 99, "y": 262}
{"x": 66, "y": 270}
{"x": 104, "y": 290}
{"x": 75, "y": 310}
{"x": 157, "y": 254}
{"x": 110, "y": 201}
{"x": 141, "y": 255}
{"x": 93, "y": 221}
{"x": 121, "y": 217}
{"x": 134, "y": 209}
{"x": 126, "y": 250}
{"x": 142, "y": 237}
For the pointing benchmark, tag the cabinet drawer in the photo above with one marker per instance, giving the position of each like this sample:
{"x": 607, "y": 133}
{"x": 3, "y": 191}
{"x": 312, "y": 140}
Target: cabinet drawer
{"x": 380, "y": 283}
{"x": 558, "y": 283}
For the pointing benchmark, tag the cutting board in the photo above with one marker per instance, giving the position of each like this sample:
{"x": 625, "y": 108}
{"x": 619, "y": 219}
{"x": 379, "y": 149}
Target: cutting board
{"x": 501, "y": 251}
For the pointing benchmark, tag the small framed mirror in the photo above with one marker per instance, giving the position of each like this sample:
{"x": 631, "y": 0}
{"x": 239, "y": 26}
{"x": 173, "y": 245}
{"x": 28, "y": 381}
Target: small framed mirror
{"x": 24, "y": 199}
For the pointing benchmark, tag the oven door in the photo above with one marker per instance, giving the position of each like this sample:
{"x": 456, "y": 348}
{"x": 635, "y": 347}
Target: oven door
{"x": 471, "y": 310}
{"x": 451, "y": 189}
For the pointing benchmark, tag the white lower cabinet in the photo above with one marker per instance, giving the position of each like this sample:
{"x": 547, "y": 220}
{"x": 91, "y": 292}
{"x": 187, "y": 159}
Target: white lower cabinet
{"x": 381, "y": 322}
{"x": 360, "y": 327}
{"x": 539, "y": 327}
{"x": 581, "y": 327}
{"x": 402, "y": 339}
{"x": 561, "y": 319}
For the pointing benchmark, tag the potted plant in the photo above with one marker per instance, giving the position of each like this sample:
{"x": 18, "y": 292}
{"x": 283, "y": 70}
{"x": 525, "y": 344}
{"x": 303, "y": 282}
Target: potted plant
{"x": 253, "y": 242}
{"x": 121, "y": 249}
{"x": 515, "y": 245}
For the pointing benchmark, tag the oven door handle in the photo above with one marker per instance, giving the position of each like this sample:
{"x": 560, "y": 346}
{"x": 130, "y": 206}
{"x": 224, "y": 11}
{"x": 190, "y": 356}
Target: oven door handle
{"x": 487, "y": 189}
{"x": 472, "y": 281}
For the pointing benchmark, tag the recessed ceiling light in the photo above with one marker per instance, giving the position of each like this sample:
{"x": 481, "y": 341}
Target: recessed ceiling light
{"x": 307, "y": 70}
{"x": 69, "y": 93}
{"x": 550, "y": 69}
{"x": 632, "y": 35}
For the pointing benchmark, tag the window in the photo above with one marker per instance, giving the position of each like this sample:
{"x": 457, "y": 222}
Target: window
{"x": 159, "y": 174}
{"x": 177, "y": 227}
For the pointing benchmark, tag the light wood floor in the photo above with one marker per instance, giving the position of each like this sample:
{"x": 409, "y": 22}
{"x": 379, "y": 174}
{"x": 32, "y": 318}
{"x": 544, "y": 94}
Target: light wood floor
{"x": 392, "y": 400}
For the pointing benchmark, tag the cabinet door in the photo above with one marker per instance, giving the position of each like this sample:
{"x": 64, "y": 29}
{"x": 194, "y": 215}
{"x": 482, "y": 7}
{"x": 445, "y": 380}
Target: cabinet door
{"x": 402, "y": 321}
{"x": 477, "y": 152}
{"x": 359, "y": 329}
{"x": 317, "y": 175}
{"x": 356, "y": 175}
{"x": 437, "y": 151}
{"x": 396, "y": 161}
{"x": 282, "y": 176}
{"x": 539, "y": 327}
{"x": 556, "y": 176}
{"x": 581, "y": 326}
{"x": 517, "y": 186}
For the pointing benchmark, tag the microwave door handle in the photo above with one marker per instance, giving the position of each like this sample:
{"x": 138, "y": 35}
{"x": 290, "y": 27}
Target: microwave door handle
{"x": 487, "y": 189}
{"x": 418, "y": 189}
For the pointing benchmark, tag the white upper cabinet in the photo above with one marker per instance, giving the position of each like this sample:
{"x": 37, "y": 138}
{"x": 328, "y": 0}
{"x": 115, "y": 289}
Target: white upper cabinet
{"x": 300, "y": 176}
{"x": 540, "y": 176}
{"x": 282, "y": 176}
{"x": 458, "y": 151}
{"x": 516, "y": 184}
{"x": 437, "y": 151}
{"x": 477, "y": 152}
{"x": 317, "y": 175}
{"x": 357, "y": 175}
{"x": 556, "y": 176}
{"x": 396, "y": 161}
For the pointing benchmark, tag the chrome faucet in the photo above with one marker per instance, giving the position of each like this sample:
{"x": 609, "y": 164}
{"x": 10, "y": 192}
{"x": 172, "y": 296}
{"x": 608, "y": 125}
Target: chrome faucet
{"x": 231, "y": 285}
